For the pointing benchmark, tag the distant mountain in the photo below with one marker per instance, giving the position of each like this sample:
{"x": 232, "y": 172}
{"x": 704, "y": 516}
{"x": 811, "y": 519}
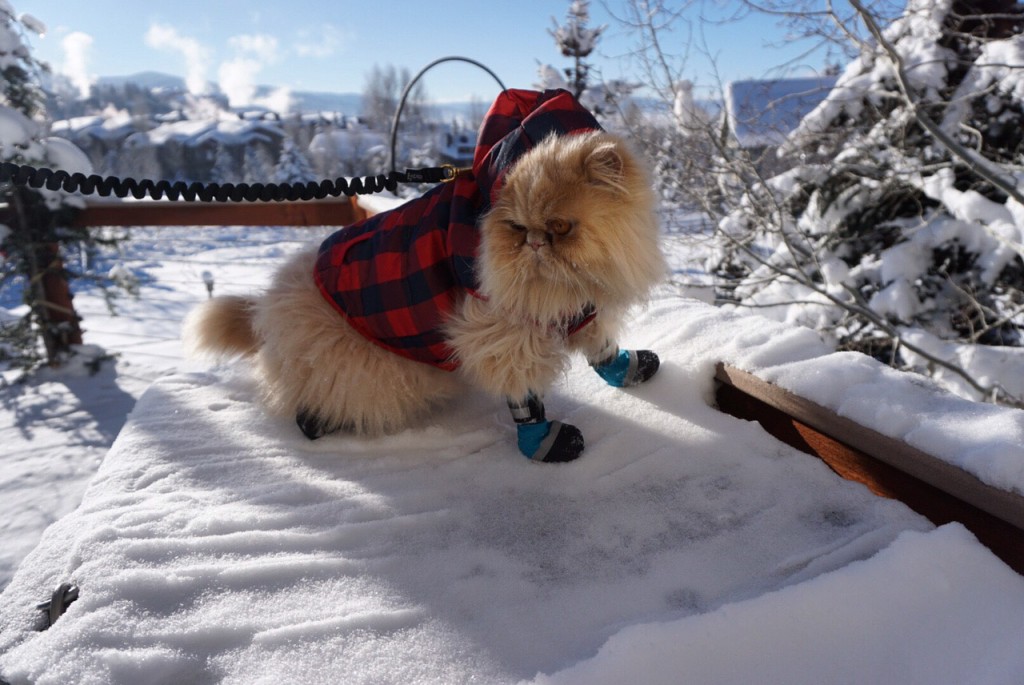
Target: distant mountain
{"x": 305, "y": 101}
{"x": 313, "y": 101}
{"x": 145, "y": 79}
{"x": 349, "y": 103}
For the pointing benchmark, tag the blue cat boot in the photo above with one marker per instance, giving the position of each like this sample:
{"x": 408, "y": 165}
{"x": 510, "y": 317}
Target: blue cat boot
{"x": 540, "y": 439}
{"x": 625, "y": 368}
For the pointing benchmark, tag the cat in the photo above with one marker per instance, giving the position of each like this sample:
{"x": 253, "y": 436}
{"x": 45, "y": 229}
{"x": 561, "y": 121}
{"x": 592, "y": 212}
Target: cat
{"x": 567, "y": 246}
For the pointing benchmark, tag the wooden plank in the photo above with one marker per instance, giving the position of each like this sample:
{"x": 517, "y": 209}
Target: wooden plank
{"x": 334, "y": 212}
{"x": 865, "y": 456}
{"x": 896, "y": 453}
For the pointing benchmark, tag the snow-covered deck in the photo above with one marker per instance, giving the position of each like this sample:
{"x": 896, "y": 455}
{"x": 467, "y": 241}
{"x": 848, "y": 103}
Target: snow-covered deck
{"x": 218, "y": 545}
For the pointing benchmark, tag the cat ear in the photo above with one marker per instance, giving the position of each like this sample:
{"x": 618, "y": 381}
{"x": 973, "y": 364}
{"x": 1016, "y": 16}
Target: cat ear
{"x": 605, "y": 166}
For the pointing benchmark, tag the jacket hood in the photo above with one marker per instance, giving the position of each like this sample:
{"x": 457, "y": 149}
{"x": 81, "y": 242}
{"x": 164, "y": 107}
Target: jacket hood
{"x": 517, "y": 121}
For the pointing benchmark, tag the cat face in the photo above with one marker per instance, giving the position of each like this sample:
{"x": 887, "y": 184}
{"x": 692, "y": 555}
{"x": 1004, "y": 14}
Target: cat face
{"x": 573, "y": 224}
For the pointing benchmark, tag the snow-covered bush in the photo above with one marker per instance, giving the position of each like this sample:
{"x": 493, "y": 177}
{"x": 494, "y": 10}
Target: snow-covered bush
{"x": 899, "y": 229}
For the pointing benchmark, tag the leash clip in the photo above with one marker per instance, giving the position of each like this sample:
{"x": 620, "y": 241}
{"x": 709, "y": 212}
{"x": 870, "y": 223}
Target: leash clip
{"x": 451, "y": 172}
{"x": 54, "y": 608}
{"x": 446, "y": 173}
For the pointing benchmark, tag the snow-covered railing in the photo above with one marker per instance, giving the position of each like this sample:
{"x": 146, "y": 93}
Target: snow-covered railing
{"x": 889, "y": 467}
{"x": 934, "y": 486}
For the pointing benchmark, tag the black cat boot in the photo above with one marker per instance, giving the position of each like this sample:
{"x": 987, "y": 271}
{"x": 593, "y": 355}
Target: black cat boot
{"x": 543, "y": 440}
{"x": 628, "y": 367}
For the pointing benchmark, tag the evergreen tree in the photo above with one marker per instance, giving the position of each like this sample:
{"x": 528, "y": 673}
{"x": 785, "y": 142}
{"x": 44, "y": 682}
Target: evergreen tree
{"x": 293, "y": 166}
{"x": 258, "y": 164}
{"x": 576, "y": 41}
{"x": 36, "y": 223}
{"x": 225, "y": 169}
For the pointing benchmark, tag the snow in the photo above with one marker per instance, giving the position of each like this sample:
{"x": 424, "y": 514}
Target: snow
{"x": 16, "y": 131}
{"x": 12, "y": 47}
{"x": 33, "y": 24}
{"x": 64, "y": 155}
{"x": 828, "y": 625}
{"x": 998, "y": 67}
{"x": 216, "y": 544}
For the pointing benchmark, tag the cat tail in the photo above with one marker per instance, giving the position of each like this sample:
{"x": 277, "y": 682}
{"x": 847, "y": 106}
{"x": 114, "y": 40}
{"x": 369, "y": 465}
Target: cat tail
{"x": 222, "y": 327}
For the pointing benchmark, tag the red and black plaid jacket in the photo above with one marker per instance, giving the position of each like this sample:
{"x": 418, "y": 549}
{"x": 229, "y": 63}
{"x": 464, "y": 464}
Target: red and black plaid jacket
{"x": 396, "y": 275}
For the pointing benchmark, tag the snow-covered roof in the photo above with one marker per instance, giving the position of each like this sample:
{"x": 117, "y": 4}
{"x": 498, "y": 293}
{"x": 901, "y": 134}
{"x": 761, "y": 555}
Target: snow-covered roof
{"x": 76, "y": 124}
{"x": 183, "y": 132}
{"x": 346, "y": 143}
{"x": 216, "y": 544}
{"x": 764, "y": 112}
{"x": 238, "y": 132}
{"x": 458, "y": 144}
{"x": 231, "y": 131}
{"x": 103, "y": 127}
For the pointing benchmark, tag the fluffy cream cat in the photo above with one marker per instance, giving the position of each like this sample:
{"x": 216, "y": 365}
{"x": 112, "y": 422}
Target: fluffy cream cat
{"x": 569, "y": 244}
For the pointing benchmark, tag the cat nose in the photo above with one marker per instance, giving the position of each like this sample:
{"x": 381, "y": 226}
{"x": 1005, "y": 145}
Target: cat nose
{"x": 537, "y": 239}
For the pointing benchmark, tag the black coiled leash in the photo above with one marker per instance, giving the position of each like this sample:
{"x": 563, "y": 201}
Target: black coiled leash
{"x": 94, "y": 184}
{"x": 105, "y": 186}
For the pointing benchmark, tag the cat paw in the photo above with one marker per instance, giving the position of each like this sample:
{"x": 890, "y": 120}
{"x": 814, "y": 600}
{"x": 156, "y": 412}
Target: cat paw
{"x": 311, "y": 425}
{"x": 628, "y": 367}
{"x": 550, "y": 441}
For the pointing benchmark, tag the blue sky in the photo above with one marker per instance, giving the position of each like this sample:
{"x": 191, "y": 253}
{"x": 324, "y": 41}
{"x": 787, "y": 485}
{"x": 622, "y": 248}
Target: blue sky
{"x": 330, "y": 46}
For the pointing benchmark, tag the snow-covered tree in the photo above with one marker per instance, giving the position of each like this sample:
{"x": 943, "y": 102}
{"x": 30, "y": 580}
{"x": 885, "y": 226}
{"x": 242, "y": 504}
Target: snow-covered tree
{"x": 900, "y": 230}
{"x": 258, "y": 164}
{"x": 576, "y": 40}
{"x": 36, "y": 223}
{"x": 293, "y": 166}
{"x": 380, "y": 96}
{"x": 384, "y": 86}
{"x": 225, "y": 168}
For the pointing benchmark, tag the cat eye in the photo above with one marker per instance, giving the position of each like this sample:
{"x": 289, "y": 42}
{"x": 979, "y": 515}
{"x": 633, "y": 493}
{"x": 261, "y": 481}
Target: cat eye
{"x": 516, "y": 227}
{"x": 560, "y": 227}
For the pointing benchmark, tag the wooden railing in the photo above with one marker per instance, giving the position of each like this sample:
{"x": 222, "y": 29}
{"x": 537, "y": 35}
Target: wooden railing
{"x": 57, "y": 293}
{"x": 890, "y": 468}
{"x": 340, "y": 212}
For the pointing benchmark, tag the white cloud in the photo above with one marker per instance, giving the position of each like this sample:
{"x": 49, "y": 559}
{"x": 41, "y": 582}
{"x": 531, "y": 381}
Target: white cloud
{"x": 321, "y": 42}
{"x": 76, "y": 47}
{"x": 237, "y": 76}
{"x": 260, "y": 46}
{"x": 279, "y": 100}
{"x": 197, "y": 57}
